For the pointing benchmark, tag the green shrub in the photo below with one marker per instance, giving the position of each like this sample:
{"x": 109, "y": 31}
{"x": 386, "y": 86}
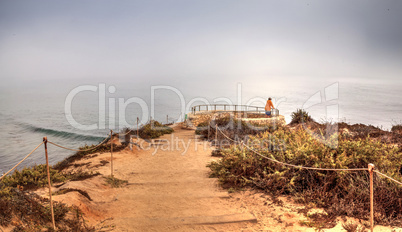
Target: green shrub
{"x": 202, "y": 128}
{"x": 235, "y": 129}
{"x": 341, "y": 193}
{"x": 32, "y": 177}
{"x": 115, "y": 182}
{"x": 353, "y": 227}
{"x": 397, "y": 128}
{"x": 32, "y": 213}
{"x": 301, "y": 116}
{"x": 154, "y": 130}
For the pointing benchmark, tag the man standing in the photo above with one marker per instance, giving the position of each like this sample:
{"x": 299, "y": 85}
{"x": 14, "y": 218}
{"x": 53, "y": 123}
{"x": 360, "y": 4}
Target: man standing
{"x": 268, "y": 107}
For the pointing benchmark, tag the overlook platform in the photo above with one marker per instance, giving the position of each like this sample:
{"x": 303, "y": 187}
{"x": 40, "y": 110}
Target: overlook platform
{"x": 252, "y": 115}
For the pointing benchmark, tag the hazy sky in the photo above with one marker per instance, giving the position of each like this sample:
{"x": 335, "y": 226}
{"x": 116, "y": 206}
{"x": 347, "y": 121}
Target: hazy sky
{"x": 200, "y": 40}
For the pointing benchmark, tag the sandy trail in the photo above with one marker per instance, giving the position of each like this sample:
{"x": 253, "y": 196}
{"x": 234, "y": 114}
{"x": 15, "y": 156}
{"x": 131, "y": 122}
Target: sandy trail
{"x": 169, "y": 189}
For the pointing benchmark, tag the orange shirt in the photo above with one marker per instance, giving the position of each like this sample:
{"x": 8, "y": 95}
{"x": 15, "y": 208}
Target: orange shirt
{"x": 269, "y": 105}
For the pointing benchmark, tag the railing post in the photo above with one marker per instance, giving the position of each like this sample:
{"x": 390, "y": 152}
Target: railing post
{"x": 137, "y": 128}
{"x": 49, "y": 183}
{"x": 111, "y": 153}
{"x": 216, "y": 133}
{"x": 209, "y": 129}
{"x": 215, "y": 107}
{"x": 224, "y": 107}
{"x": 235, "y": 108}
{"x": 371, "y": 170}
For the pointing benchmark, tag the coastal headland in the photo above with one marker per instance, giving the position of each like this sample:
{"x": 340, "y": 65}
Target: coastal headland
{"x": 167, "y": 187}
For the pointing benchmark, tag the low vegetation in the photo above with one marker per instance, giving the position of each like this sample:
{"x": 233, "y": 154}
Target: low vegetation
{"x": 234, "y": 129}
{"x": 33, "y": 177}
{"x": 353, "y": 227}
{"x": 339, "y": 193}
{"x": 115, "y": 182}
{"x": 29, "y": 212}
{"x": 152, "y": 130}
{"x": 397, "y": 128}
{"x": 26, "y": 211}
{"x": 301, "y": 116}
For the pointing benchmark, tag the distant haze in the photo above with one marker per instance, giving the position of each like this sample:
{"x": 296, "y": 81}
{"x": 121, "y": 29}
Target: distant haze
{"x": 199, "y": 43}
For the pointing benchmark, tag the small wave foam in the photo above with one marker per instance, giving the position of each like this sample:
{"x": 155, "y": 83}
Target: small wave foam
{"x": 64, "y": 134}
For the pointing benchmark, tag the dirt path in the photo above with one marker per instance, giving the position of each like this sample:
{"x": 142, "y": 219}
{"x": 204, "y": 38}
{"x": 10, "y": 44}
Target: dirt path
{"x": 169, "y": 189}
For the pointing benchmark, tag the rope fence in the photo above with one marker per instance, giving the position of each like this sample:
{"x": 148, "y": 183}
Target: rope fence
{"x": 45, "y": 142}
{"x": 303, "y": 167}
{"x": 5, "y": 174}
{"x": 71, "y": 149}
{"x": 370, "y": 169}
{"x": 290, "y": 165}
{"x": 388, "y": 177}
{"x": 131, "y": 129}
{"x": 67, "y": 148}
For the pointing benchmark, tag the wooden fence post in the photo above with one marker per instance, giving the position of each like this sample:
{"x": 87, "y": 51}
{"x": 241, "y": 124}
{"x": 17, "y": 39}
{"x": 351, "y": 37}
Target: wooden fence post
{"x": 137, "y": 128}
{"x": 209, "y": 129}
{"x": 371, "y": 170}
{"x": 50, "y": 185}
{"x": 216, "y": 133}
{"x": 111, "y": 153}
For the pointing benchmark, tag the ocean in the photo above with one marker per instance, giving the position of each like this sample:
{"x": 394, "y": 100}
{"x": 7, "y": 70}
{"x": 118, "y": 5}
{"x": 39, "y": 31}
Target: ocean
{"x": 74, "y": 114}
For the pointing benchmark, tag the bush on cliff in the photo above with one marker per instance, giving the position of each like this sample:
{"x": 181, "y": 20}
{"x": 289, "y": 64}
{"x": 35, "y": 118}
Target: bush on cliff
{"x": 301, "y": 116}
{"x": 153, "y": 130}
{"x": 29, "y": 212}
{"x": 32, "y": 177}
{"x": 397, "y": 128}
{"x": 235, "y": 129}
{"x": 340, "y": 193}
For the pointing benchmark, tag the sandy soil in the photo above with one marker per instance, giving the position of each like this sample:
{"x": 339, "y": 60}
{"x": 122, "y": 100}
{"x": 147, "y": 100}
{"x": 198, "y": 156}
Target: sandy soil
{"x": 169, "y": 190}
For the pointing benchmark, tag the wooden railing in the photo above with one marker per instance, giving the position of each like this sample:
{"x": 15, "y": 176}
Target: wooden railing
{"x": 227, "y": 107}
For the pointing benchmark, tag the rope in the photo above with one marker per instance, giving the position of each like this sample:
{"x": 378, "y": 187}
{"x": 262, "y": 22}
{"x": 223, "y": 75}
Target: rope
{"x": 292, "y": 165}
{"x": 127, "y": 132}
{"x": 71, "y": 149}
{"x": 20, "y": 161}
{"x": 388, "y": 177}
{"x": 303, "y": 167}
{"x": 226, "y": 135}
{"x": 132, "y": 129}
